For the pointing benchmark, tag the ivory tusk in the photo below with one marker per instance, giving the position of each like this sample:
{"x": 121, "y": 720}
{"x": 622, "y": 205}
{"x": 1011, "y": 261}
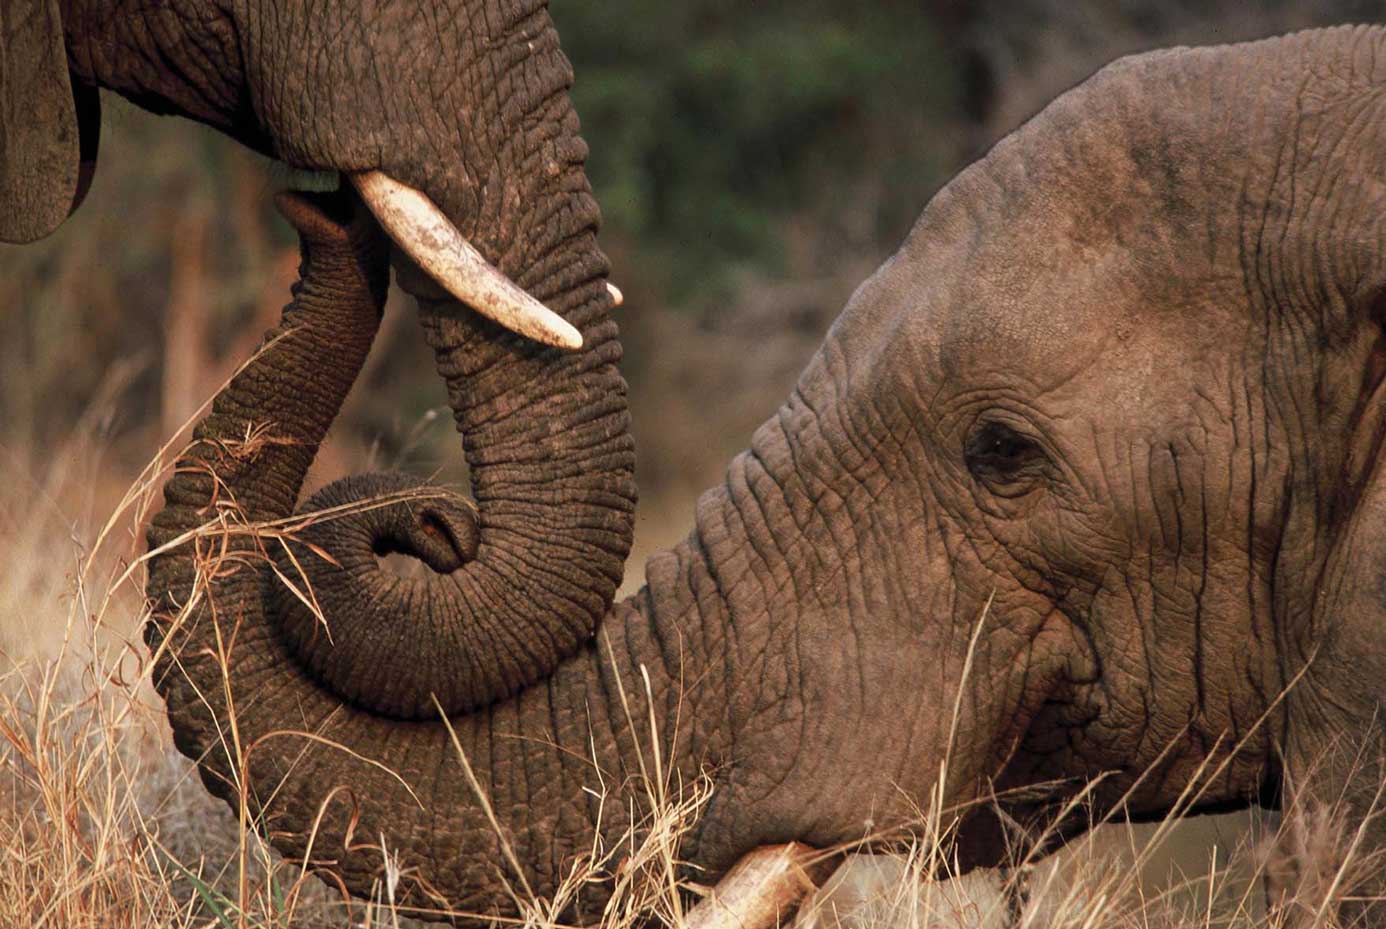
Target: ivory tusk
{"x": 429, "y": 237}
{"x": 762, "y": 888}
{"x": 617, "y": 298}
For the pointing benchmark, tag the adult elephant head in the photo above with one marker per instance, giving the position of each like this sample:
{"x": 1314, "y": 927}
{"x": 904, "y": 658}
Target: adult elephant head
{"x": 461, "y": 108}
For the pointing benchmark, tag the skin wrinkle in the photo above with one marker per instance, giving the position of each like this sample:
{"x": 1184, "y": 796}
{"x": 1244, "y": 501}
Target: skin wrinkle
{"x": 1199, "y": 666}
{"x": 800, "y": 397}
{"x": 1142, "y": 616}
{"x": 728, "y": 575}
{"x": 745, "y": 656}
{"x": 1330, "y": 200}
{"x": 529, "y": 842}
{"x": 765, "y": 505}
{"x": 755, "y": 524}
{"x": 521, "y": 655}
{"x": 1250, "y": 267}
{"x": 1199, "y": 671}
{"x": 567, "y": 823}
{"x": 763, "y": 488}
{"x": 711, "y": 573}
{"x": 758, "y": 659}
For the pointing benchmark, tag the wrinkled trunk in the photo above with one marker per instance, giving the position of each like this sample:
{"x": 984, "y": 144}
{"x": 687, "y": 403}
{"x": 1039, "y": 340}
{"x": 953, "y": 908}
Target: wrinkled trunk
{"x": 521, "y": 579}
{"x": 546, "y": 433}
{"x": 523, "y": 575}
{"x": 262, "y": 725}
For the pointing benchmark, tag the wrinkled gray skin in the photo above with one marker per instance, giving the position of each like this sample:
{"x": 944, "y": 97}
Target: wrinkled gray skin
{"x": 1116, "y": 400}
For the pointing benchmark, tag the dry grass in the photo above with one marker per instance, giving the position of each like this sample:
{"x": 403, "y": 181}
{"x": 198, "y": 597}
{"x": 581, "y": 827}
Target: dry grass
{"x": 103, "y": 824}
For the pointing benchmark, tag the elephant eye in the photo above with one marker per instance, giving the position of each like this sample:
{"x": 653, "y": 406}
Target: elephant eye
{"x": 1006, "y": 461}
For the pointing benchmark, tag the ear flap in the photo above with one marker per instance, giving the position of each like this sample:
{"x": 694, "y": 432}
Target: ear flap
{"x": 42, "y": 172}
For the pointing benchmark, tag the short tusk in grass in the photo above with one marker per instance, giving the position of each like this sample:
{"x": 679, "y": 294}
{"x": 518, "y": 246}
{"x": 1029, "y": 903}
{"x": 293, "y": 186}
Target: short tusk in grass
{"x": 761, "y": 889}
{"x": 418, "y": 227}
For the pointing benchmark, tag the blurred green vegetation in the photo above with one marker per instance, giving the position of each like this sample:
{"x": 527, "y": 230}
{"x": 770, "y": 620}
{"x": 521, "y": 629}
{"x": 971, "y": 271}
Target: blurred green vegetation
{"x": 712, "y": 123}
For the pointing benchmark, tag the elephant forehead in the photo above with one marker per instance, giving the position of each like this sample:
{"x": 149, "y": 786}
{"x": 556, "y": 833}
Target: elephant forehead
{"x": 1036, "y": 287}
{"x": 1072, "y": 331}
{"x": 1049, "y": 259}
{"x": 1041, "y": 313}
{"x": 1037, "y": 313}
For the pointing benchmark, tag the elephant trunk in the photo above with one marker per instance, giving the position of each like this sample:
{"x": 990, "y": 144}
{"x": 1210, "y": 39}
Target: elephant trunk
{"x": 545, "y": 431}
{"x": 341, "y": 784}
{"x": 248, "y": 458}
{"x": 519, "y": 579}
{"x": 533, "y": 564}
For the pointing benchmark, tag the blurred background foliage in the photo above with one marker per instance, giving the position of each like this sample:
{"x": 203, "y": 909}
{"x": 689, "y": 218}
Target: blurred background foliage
{"x": 755, "y": 160}
{"x": 715, "y": 122}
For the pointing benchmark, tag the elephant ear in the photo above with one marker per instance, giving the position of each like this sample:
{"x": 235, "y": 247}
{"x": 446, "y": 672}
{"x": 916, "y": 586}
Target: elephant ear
{"x": 48, "y": 125}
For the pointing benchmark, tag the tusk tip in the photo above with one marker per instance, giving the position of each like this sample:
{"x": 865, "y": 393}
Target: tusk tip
{"x": 617, "y": 298}
{"x": 564, "y": 336}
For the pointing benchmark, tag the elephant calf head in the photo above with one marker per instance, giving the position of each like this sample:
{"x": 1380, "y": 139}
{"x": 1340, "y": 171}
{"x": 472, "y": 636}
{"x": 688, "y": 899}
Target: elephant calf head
{"x": 1086, "y": 479}
{"x": 1082, "y": 485}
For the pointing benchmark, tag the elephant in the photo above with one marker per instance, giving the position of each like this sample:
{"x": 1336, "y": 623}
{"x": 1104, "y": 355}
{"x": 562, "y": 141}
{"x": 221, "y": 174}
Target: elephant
{"x": 1079, "y": 496}
{"x": 467, "y": 149}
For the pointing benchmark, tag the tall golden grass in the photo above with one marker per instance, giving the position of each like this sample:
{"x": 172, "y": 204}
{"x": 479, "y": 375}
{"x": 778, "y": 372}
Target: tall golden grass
{"x": 103, "y": 824}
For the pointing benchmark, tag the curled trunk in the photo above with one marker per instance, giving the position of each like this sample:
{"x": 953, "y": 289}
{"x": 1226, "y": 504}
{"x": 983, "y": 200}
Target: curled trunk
{"x": 522, "y": 575}
{"x": 304, "y": 676}
{"x": 264, "y": 722}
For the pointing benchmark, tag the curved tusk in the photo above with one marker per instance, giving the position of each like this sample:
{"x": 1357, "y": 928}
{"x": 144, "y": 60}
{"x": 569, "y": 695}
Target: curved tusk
{"x": 617, "y": 298}
{"x": 435, "y": 244}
